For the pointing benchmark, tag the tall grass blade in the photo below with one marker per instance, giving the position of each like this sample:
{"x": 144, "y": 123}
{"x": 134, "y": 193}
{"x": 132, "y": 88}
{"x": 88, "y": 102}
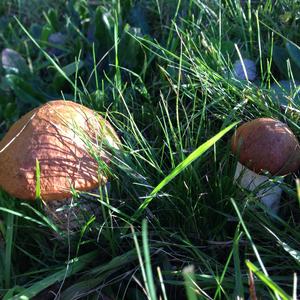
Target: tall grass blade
{"x": 239, "y": 289}
{"x": 57, "y": 67}
{"x": 183, "y": 165}
{"x": 149, "y": 273}
{"x": 298, "y": 190}
{"x": 268, "y": 282}
{"x": 189, "y": 279}
{"x": 249, "y": 237}
{"x": 9, "y": 233}
{"x": 162, "y": 284}
{"x": 139, "y": 255}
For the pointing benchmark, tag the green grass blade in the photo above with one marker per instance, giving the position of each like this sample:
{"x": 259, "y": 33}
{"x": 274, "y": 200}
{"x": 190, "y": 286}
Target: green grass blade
{"x": 291, "y": 251}
{"x": 162, "y": 284}
{"x": 189, "y": 279}
{"x": 38, "y": 180}
{"x": 8, "y": 249}
{"x": 57, "y": 67}
{"x": 239, "y": 289}
{"x": 148, "y": 266}
{"x": 139, "y": 255}
{"x": 249, "y": 237}
{"x": 75, "y": 265}
{"x": 298, "y": 190}
{"x": 268, "y": 282}
{"x": 183, "y": 165}
{"x": 45, "y": 218}
{"x": 116, "y": 262}
{"x": 21, "y": 215}
{"x": 98, "y": 275}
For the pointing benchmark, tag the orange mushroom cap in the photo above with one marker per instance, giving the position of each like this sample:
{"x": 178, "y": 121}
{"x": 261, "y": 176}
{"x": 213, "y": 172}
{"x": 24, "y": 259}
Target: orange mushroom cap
{"x": 54, "y": 134}
{"x": 266, "y": 144}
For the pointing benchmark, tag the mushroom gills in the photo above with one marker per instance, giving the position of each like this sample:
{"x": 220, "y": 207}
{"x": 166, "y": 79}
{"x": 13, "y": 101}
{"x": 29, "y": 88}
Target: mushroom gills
{"x": 269, "y": 193}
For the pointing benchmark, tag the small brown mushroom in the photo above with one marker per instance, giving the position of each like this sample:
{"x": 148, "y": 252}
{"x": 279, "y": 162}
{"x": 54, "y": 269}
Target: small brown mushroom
{"x": 265, "y": 145}
{"x": 55, "y": 134}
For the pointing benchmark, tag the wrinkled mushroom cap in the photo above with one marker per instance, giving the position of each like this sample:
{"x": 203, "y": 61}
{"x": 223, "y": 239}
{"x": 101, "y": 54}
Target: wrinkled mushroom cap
{"x": 55, "y": 134}
{"x": 266, "y": 144}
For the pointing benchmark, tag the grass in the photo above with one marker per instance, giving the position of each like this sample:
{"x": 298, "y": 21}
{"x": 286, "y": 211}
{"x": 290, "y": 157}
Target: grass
{"x": 173, "y": 223}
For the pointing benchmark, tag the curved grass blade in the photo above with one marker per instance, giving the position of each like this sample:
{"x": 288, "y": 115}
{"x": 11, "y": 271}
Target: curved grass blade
{"x": 49, "y": 58}
{"x": 249, "y": 236}
{"x": 21, "y": 215}
{"x": 183, "y": 165}
{"x": 268, "y": 281}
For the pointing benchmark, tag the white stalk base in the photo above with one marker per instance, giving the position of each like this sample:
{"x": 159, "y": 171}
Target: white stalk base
{"x": 269, "y": 193}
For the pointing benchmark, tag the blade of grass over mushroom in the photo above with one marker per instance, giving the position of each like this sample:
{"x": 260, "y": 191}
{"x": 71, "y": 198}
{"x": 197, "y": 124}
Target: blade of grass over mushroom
{"x": 268, "y": 281}
{"x": 184, "y": 164}
{"x": 58, "y": 68}
{"x": 38, "y": 180}
{"x": 73, "y": 266}
{"x": 298, "y": 190}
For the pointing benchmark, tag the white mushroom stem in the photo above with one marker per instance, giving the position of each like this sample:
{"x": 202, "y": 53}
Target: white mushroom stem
{"x": 269, "y": 193}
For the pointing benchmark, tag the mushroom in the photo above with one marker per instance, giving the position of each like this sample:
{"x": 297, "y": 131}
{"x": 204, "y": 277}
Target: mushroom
{"x": 57, "y": 135}
{"x": 265, "y": 145}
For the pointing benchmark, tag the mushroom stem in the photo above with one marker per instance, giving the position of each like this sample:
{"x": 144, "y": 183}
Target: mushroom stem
{"x": 268, "y": 193}
{"x": 75, "y": 212}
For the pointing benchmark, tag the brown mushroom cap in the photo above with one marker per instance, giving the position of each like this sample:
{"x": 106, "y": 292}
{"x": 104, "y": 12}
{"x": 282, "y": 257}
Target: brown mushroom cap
{"x": 266, "y": 144}
{"x": 54, "y": 134}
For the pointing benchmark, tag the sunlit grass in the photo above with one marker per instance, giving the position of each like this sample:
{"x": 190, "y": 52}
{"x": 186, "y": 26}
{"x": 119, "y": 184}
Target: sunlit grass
{"x": 175, "y": 103}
